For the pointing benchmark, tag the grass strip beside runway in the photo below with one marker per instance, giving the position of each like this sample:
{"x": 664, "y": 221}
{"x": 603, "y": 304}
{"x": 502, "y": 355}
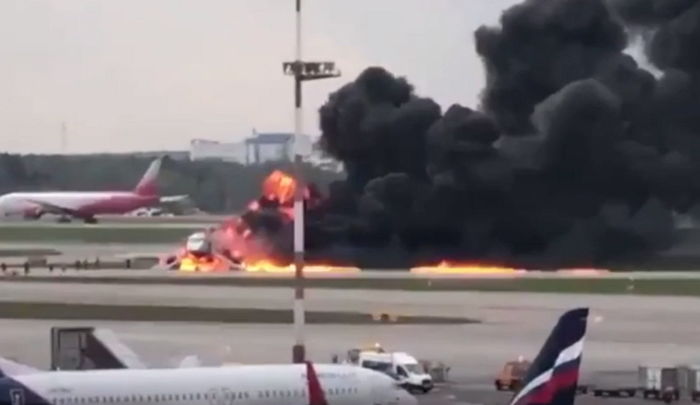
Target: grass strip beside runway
{"x": 657, "y": 286}
{"x": 19, "y": 252}
{"x": 149, "y": 313}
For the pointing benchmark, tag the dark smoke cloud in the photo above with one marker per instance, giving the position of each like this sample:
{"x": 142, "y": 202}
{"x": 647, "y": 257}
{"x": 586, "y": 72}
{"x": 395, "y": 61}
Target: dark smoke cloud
{"x": 376, "y": 126}
{"x": 576, "y": 156}
{"x": 541, "y": 46}
{"x": 650, "y": 12}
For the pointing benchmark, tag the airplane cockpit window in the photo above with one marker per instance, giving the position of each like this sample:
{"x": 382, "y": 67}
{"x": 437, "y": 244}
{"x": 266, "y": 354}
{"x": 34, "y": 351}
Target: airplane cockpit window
{"x": 401, "y": 371}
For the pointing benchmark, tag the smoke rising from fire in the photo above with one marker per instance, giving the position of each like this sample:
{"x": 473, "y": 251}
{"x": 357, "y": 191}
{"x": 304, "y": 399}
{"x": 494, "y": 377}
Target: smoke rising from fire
{"x": 577, "y": 154}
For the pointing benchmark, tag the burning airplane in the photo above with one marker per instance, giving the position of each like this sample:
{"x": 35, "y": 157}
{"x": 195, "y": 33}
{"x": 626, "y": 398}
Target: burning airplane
{"x": 257, "y": 241}
{"x": 578, "y": 155}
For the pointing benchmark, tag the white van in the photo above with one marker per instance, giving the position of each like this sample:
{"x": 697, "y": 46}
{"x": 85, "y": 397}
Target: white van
{"x": 402, "y": 366}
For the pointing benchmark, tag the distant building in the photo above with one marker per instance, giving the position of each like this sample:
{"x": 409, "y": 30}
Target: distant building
{"x": 260, "y": 148}
{"x": 203, "y": 149}
{"x": 274, "y": 147}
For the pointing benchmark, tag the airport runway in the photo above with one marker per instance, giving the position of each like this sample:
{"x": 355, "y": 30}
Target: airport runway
{"x": 624, "y": 330}
{"x": 166, "y": 344}
{"x": 83, "y": 252}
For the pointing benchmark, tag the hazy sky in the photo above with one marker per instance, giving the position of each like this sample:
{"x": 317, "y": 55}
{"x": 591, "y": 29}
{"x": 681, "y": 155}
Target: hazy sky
{"x": 152, "y": 74}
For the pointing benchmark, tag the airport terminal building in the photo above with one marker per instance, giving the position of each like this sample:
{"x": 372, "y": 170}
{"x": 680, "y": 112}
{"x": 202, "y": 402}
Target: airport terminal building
{"x": 260, "y": 148}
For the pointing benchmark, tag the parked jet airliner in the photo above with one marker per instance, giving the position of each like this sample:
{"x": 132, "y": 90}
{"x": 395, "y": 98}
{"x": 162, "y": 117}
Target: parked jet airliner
{"x": 85, "y": 205}
{"x": 552, "y": 379}
{"x": 289, "y": 384}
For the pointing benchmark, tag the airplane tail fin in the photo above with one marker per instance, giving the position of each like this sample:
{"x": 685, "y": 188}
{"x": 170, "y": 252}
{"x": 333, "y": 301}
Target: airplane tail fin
{"x": 552, "y": 378}
{"x": 316, "y": 396}
{"x": 148, "y": 184}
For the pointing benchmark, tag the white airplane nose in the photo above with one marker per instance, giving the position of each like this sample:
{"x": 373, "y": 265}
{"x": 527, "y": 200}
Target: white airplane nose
{"x": 407, "y": 399}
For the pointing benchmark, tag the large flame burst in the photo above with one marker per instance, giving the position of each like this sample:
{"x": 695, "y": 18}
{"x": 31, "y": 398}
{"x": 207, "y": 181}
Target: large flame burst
{"x": 280, "y": 187}
{"x": 243, "y": 238}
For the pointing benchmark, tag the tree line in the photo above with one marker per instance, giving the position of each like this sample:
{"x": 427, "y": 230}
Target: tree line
{"x": 214, "y": 186}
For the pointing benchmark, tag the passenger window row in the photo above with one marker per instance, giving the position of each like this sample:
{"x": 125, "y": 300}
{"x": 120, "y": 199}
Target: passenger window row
{"x": 302, "y": 393}
{"x": 192, "y": 397}
{"x": 282, "y": 394}
{"x": 145, "y": 398}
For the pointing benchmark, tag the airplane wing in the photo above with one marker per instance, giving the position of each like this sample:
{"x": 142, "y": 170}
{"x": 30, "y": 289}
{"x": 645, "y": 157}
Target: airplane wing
{"x": 89, "y": 348}
{"x": 123, "y": 355}
{"x": 54, "y": 209}
{"x": 11, "y": 368}
{"x": 173, "y": 198}
{"x": 190, "y": 361}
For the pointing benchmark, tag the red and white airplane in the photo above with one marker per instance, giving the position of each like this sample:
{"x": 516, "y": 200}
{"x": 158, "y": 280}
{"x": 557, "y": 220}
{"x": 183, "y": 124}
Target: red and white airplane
{"x": 552, "y": 379}
{"x": 86, "y": 204}
{"x": 292, "y": 384}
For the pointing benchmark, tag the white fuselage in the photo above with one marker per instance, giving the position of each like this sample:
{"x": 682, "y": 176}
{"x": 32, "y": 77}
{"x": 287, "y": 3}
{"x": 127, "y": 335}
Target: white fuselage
{"x": 244, "y": 385}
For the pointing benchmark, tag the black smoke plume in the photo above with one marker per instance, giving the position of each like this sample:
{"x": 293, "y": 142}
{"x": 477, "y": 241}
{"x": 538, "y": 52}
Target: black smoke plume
{"x": 577, "y": 156}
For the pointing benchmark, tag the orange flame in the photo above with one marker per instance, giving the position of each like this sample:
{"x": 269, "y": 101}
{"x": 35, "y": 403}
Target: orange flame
{"x": 234, "y": 238}
{"x": 445, "y": 267}
{"x": 268, "y": 266}
{"x": 279, "y": 186}
{"x": 205, "y": 264}
{"x": 590, "y": 272}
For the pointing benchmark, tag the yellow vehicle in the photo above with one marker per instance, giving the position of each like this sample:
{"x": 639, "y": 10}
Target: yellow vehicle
{"x": 511, "y": 376}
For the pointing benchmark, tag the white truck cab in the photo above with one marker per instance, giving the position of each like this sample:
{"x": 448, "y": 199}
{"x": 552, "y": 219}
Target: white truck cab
{"x": 401, "y": 366}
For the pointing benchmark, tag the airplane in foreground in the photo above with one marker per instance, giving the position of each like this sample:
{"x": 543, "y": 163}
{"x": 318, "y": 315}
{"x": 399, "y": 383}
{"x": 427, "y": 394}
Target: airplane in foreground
{"x": 86, "y": 205}
{"x": 291, "y": 384}
{"x": 552, "y": 379}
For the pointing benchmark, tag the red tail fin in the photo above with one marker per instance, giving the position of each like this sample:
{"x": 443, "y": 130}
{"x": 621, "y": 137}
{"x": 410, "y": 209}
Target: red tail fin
{"x": 148, "y": 184}
{"x": 316, "y": 396}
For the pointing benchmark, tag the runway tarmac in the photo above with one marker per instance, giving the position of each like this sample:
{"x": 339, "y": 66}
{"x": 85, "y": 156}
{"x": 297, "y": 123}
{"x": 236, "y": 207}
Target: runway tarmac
{"x": 166, "y": 344}
{"x": 624, "y": 331}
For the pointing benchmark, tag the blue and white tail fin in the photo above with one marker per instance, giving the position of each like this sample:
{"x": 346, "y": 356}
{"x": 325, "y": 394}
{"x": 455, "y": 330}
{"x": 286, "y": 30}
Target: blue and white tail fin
{"x": 552, "y": 378}
{"x": 10, "y": 368}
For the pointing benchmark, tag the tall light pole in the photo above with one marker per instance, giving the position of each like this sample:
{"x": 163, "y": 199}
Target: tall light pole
{"x": 64, "y": 137}
{"x": 301, "y": 71}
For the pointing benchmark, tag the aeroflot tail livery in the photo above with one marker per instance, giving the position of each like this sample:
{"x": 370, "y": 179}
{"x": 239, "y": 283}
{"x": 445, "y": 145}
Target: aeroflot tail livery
{"x": 552, "y": 378}
{"x": 292, "y": 384}
{"x": 84, "y": 205}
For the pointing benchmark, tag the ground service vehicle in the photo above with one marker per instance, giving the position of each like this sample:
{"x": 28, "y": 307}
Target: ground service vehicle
{"x": 511, "y": 376}
{"x": 614, "y": 384}
{"x": 401, "y": 366}
{"x": 693, "y": 382}
{"x": 659, "y": 382}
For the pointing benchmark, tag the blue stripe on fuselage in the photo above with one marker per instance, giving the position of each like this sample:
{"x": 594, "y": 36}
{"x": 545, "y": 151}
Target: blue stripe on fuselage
{"x": 12, "y": 392}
